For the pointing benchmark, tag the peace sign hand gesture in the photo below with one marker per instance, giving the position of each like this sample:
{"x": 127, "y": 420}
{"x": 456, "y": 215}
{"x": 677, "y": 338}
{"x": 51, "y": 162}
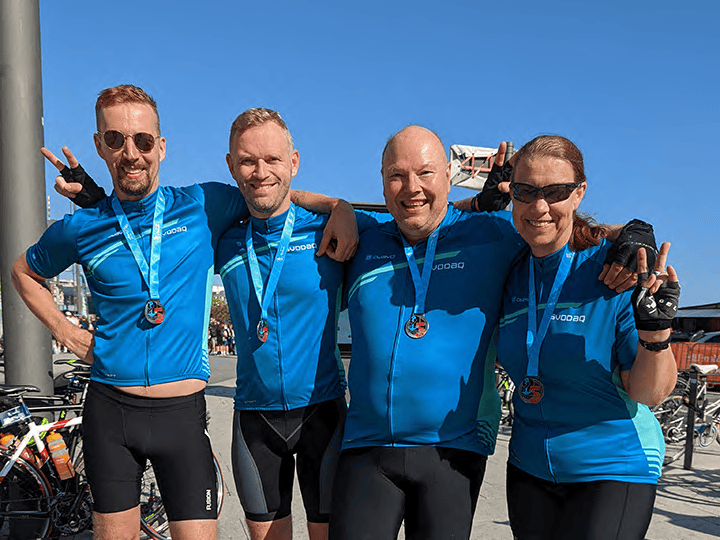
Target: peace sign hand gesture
{"x": 73, "y": 182}
{"x": 655, "y": 299}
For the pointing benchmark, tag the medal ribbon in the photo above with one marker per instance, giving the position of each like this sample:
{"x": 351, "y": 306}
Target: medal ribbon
{"x": 421, "y": 283}
{"x": 150, "y": 273}
{"x": 272, "y": 282}
{"x": 535, "y": 335}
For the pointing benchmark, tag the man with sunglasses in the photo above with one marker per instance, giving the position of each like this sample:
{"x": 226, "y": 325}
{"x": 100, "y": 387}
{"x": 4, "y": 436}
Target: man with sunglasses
{"x": 147, "y": 251}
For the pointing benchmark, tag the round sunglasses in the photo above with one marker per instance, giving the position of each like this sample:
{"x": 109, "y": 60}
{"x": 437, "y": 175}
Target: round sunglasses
{"x": 115, "y": 140}
{"x": 554, "y": 193}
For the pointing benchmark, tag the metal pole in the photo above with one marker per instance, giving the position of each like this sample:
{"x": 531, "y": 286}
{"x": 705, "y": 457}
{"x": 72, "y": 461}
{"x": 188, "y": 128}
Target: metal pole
{"x": 28, "y": 357}
{"x": 510, "y": 150}
{"x": 690, "y": 434}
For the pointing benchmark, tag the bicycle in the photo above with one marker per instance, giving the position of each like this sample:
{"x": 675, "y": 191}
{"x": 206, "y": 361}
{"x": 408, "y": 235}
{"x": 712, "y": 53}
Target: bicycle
{"x": 35, "y": 496}
{"x": 673, "y": 420}
{"x": 34, "y": 501}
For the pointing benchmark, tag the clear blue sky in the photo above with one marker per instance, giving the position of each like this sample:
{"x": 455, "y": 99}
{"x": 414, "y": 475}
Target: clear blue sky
{"x": 633, "y": 84}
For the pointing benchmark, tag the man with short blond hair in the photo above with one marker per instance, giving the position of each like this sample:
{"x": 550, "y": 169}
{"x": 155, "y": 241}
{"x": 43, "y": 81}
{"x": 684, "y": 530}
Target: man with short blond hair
{"x": 284, "y": 301}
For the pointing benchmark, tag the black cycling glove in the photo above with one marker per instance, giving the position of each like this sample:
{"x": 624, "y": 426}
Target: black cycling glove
{"x": 655, "y": 311}
{"x": 633, "y": 236}
{"x": 491, "y": 199}
{"x": 90, "y": 194}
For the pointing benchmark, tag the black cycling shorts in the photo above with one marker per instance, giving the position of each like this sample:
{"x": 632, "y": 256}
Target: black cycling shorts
{"x": 543, "y": 510}
{"x": 121, "y": 431}
{"x": 435, "y": 490}
{"x": 263, "y": 456}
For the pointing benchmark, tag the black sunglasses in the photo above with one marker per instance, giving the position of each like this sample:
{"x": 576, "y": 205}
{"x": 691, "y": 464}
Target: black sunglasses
{"x": 554, "y": 193}
{"x": 115, "y": 140}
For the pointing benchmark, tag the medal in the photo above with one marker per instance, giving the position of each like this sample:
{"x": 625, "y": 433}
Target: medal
{"x": 154, "y": 311}
{"x": 265, "y": 297}
{"x": 416, "y": 326}
{"x": 531, "y": 390}
{"x": 262, "y": 330}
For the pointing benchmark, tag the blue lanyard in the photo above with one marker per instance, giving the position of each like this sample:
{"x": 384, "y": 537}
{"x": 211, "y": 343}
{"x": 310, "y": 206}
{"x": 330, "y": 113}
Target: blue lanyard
{"x": 150, "y": 273}
{"x": 421, "y": 283}
{"x": 535, "y": 335}
{"x": 264, "y": 299}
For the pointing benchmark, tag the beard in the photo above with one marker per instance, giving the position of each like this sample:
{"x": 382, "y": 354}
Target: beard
{"x": 267, "y": 205}
{"x": 133, "y": 187}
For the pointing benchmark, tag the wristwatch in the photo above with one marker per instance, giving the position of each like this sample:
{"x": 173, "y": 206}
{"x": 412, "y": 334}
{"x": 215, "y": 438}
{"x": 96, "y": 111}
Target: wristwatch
{"x": 655, "y": 345}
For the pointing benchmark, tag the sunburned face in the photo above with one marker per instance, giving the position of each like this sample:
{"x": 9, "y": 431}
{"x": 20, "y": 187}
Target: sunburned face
{"x": 134, "y": 173}
{"x": 263, "y": 163}
{"x": 416, "y": 182}
{"x": 545, "y": 227}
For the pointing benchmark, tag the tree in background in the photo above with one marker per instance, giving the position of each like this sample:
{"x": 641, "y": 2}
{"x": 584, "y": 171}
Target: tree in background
{"x": 219, "y": 310}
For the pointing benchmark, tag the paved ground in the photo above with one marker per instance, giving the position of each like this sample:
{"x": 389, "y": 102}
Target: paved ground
{"x": 687, "y": 505}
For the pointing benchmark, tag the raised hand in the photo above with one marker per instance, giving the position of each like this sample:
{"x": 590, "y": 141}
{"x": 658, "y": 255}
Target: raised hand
{"x": 655, "y": 299}
{"x": 73, "y": 182}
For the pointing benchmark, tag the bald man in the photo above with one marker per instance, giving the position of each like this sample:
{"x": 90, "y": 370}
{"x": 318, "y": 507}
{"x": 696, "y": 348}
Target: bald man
{"x": 423, "y": 295}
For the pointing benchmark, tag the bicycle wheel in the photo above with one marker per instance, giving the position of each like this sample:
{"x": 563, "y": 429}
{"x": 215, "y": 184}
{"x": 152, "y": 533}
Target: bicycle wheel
{"x": 24, "y": 502}
{"x": 671, "y": 416}
{"x": 153, "y": 518}
{"x": 708, "y": 433}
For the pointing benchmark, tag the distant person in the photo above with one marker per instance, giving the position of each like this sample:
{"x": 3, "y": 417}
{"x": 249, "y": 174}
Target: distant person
{"x": 586, "y": 451}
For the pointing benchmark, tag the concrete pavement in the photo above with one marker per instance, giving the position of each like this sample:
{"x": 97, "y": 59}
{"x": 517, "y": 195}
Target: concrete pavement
{"x": 687, "y": 505}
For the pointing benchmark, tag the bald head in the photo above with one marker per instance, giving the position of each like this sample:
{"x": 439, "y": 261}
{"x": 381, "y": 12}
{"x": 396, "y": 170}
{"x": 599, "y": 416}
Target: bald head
{"x": 416, "y": 181}
{"x": 413, "y": 135}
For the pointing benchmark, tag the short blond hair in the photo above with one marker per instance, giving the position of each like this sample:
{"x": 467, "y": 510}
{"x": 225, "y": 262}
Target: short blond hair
{"x": 254, "y": 118}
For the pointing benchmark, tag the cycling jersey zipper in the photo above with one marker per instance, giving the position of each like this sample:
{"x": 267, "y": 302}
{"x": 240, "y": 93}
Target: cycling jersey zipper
{"x": 393, "y": 359}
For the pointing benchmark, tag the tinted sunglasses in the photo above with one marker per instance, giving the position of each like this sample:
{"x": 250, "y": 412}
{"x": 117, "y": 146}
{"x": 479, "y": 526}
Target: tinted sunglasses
{"x": 554, "y": 193}
{"x": 116, "y": 140}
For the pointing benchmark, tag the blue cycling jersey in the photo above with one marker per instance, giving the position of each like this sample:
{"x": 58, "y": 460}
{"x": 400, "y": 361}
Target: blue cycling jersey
{"x": 439, "y": 389}
{"x": 585, "y": 427}
{"x": 130, "y": 351}
{"x": 299, "y": 364}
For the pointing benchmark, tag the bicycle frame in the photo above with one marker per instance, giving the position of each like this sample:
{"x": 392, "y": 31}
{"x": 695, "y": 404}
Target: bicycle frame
{"x": 34, "y": 432}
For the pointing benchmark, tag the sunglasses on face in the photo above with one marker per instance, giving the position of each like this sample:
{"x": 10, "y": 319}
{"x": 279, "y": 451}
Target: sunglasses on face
{"x": 116, "y": 140}
{"x": 554, "y": 193}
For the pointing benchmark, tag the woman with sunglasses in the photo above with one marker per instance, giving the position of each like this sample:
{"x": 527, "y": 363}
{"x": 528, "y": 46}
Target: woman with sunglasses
{"x": 585, "y": 451}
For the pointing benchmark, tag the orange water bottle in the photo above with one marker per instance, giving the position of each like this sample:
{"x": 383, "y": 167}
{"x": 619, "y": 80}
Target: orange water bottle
{"x": 7, "y": 440}
{"x": 60, "y": 455}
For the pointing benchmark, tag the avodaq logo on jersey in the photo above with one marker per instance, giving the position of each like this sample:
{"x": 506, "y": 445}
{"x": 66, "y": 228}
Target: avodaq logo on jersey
{"x": 175, "y": 230}
{"x": 449, "y": 266}
{"x": 303, "y": 247}
{"x": 567, "y": 318}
